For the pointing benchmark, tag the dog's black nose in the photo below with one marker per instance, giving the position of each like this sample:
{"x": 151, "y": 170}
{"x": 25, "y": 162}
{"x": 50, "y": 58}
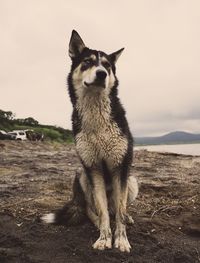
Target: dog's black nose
{"x": 101, "y": 75}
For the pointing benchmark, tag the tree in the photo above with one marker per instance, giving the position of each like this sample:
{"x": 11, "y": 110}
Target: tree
{"x": 31, "y": 121}
{"x": 6, "y": 115}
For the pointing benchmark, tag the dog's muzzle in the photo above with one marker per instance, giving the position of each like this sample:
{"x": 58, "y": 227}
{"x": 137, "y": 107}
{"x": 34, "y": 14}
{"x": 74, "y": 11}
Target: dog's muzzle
{"x": 99, "y": 79}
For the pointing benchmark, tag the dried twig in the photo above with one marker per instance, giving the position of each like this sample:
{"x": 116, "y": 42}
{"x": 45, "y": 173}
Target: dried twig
{"x": 164, "y": 208}
{"x": 197, "y": 254}
{"x": 18, "y": 203}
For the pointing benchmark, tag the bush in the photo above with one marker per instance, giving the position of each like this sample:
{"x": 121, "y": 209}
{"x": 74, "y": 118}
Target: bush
{"x": 50, "y": 134}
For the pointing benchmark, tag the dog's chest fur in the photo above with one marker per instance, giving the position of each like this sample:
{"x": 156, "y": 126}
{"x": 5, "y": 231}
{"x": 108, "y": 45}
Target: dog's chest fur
{"x": 100, "y": 137}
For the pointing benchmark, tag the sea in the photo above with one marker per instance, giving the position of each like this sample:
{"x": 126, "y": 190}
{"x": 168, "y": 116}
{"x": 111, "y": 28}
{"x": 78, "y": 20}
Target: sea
{"x": 188, "y": 149}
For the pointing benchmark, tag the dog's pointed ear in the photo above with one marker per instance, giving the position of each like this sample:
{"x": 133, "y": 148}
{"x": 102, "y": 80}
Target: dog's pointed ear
{"x": 76, "y": 45}
{"x": 114, "y": 56}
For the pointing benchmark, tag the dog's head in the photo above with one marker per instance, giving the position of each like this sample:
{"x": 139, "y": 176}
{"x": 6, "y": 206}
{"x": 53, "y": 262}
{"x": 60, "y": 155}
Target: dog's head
{"x": 92, "y": 70}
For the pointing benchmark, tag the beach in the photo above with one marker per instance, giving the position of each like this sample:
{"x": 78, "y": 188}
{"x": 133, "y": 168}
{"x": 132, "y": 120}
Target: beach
{"x": 36, "y": 178}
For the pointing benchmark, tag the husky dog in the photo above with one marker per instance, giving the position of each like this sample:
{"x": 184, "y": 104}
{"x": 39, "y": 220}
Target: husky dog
{"x": 104, "y": 145}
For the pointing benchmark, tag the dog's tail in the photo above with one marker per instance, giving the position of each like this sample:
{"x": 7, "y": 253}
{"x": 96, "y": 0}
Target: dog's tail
{"x": 74, "y": 212}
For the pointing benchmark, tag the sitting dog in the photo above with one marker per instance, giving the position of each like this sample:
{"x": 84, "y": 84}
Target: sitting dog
{"x": 104, "y": 145}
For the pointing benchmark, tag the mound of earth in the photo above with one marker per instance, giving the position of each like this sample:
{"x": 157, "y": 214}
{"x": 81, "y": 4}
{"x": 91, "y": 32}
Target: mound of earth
{"x": 37, "y": 177}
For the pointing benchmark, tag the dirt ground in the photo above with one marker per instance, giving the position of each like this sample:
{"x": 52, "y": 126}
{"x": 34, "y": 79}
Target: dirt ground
{"x": 36, "y": 178}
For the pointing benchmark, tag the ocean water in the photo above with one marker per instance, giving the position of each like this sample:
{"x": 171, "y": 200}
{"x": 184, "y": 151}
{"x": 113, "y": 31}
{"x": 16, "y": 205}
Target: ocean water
{"x": 190, "y": 149}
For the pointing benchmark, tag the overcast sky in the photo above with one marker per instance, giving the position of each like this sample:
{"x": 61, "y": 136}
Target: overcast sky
{"x": 159, "y": 70}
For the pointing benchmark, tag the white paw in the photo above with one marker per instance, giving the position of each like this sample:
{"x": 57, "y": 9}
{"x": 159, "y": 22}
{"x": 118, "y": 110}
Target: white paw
{"x": 48, "y": 218}
{"x": 122, "y": 243}
{"x": 103, "y": 243}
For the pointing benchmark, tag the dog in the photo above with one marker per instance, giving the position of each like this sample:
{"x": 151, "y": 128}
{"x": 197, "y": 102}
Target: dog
{"x": 104, "y": 144}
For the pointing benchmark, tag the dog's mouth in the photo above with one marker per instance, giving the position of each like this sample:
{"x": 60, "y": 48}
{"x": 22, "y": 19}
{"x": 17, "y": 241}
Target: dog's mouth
{"x": 96, "y": 83}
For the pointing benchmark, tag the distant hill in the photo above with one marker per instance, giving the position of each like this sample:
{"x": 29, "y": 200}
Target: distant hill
{"x": 170, "y": 138}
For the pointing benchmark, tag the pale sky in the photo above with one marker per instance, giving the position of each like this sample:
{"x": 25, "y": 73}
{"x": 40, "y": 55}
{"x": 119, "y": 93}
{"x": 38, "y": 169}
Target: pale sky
{"x": 159, "y": 70}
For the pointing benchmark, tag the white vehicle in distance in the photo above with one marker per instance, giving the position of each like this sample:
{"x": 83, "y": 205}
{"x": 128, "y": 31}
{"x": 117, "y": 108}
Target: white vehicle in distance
{"x": 19, "y": 135}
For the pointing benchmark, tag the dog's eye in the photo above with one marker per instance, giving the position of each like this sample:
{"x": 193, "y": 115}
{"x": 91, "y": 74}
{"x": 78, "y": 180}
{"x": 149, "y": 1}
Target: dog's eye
{"x": 88, "y": 61}
{"x": 106, "y": 64}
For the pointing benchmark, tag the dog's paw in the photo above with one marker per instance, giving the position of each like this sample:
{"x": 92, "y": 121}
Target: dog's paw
{"x": 104, "y": 241}
{"x": 48, "y": 218}
{"x": 122, "y": 243}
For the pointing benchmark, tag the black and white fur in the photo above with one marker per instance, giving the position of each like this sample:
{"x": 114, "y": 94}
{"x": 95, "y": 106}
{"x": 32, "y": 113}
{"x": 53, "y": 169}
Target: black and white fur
{"x": 104, "y": 144}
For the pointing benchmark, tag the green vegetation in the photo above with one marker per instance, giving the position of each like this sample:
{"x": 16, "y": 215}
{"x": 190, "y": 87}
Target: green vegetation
{"x": 8, "y": 122}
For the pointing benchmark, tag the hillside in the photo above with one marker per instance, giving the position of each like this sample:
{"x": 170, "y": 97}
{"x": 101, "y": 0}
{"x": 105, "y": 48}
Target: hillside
{"x": 8, "y": 122}
{"x": 170, "y": 138}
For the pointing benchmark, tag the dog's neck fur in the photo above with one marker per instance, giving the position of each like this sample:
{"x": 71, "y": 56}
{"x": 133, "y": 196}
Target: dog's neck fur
{"x": 94, "y": 108}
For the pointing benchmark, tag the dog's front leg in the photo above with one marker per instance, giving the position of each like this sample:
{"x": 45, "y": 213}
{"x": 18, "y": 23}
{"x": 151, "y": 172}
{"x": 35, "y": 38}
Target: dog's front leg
{"x": 101, "y": 205}
{"x": 120, "y": 192}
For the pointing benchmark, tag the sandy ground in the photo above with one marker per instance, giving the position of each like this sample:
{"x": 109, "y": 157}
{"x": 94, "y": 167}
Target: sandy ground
{"x": 36, "y": 178}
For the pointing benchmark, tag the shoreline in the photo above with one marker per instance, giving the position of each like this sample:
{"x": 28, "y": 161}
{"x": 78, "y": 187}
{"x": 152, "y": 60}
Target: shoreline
{"x": 184, "y": 149}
